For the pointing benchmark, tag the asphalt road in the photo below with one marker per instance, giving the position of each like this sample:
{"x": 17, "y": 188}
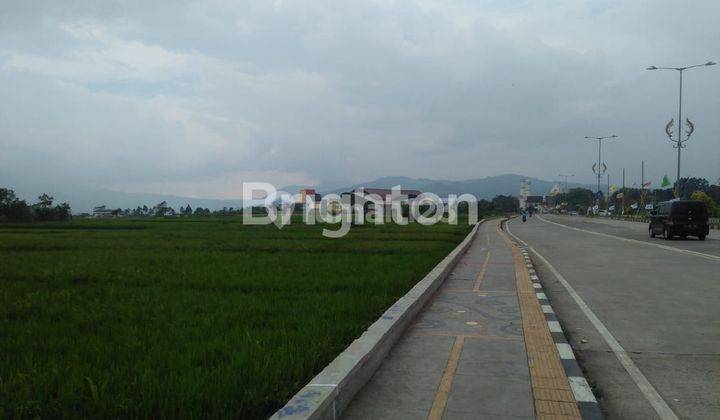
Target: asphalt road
{"x": 658, "y": 300}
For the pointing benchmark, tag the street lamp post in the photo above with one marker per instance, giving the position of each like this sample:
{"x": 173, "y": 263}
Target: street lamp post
{"x": 566, "y": 178}
{"x": 599, "y": 170}
{"x": 679, "y": 141}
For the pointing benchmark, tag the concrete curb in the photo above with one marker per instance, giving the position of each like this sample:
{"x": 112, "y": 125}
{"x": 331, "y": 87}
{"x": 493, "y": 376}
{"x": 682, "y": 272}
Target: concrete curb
{"x": 586, "y": 401}
{"x": 328, "y": 393}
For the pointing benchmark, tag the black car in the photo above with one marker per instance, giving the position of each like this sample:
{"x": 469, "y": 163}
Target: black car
{"x": 679, "y": 218}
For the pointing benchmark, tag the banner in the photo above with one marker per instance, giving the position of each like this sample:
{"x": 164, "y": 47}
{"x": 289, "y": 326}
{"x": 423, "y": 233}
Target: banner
{"x": 665, "y": 182}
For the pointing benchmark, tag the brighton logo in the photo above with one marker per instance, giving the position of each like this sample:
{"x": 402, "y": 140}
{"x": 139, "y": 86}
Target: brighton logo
{"x": 263, "y": 204}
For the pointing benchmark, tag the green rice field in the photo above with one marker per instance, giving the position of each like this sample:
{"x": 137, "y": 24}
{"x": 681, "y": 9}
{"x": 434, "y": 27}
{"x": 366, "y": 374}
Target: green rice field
{"x": 189, "y": 317}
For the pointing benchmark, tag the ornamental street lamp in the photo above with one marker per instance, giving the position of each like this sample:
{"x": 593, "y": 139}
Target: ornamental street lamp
{"x": 601, "y": 167}
{"x": 679, "y": 140}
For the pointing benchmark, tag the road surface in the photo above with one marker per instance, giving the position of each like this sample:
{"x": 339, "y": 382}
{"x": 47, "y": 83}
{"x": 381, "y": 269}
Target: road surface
{"x": 642, "y": 314}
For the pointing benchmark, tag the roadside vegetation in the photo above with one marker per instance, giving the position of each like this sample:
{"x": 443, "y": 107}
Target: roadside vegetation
{"x": 580, "y": 199}
{"x": 189, "y": 317}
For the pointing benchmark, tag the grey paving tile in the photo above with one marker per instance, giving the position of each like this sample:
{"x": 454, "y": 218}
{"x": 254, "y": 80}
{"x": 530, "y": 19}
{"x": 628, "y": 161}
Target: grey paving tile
{"x": 491, "y": 395}
{"x": 422, "y": 346}
{"x": 497, "y": 350}
{"x": 459, "y": 415}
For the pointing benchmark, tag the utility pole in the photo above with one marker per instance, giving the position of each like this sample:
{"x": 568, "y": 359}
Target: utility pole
{"x": 623, "y": 192}
{"x": 679, "y": 140}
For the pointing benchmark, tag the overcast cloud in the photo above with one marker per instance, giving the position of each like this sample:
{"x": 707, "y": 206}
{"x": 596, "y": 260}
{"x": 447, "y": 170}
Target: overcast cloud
{"x": 192, "y": 98}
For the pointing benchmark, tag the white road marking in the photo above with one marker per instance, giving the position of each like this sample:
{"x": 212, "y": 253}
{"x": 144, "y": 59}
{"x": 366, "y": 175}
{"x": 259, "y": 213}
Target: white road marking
{"x": 565, "y": 351}
{"x": 581, "y": 389}
{"x": 635, "y": 241}
{"x": 547, "y": 309}
{"x": 554, "y": 326}
{"x": 650, "y": 393}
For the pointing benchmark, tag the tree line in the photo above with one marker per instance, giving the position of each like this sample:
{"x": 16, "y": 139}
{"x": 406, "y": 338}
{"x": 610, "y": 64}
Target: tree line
{"x": 16, "y": 210}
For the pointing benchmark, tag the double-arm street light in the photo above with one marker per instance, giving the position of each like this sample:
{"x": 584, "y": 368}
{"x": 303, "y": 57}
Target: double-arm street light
{"x": 599, "y": 170}
{"x": 679, "y": 141}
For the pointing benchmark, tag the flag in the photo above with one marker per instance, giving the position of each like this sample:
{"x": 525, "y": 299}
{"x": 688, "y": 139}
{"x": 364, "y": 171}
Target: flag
{"x": 665, "y": 182}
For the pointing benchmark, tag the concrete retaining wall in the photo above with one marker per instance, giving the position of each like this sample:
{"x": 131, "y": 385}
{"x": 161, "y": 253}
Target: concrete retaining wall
{"x": 328, "y": 393}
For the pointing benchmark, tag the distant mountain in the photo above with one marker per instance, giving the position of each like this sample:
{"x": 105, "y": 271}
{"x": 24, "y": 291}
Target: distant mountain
{"x": 487, "y": 188}
{"x": 83, "y": 199}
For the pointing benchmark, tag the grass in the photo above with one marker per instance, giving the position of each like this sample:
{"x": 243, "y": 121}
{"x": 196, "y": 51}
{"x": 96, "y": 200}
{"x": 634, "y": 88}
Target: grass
{"x": 189, "y": 317}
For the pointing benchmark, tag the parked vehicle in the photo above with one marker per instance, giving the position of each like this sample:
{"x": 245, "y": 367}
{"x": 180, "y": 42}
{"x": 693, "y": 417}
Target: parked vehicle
{"x": 679, "y": 218}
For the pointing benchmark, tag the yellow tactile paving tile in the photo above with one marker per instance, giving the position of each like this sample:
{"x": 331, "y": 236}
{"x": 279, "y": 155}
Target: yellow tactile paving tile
{"x": 551, "y": 390}
{"x": 550, "y": 383}
{"x": 554, "y": 417}
{"x": 554, "y": 394}
{"x": 561, "y": 408}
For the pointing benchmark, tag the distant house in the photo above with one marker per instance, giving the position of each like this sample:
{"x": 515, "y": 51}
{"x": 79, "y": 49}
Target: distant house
{"x": 312, "y": 195}
{"x": 102, "y": 211}
{"x": 368, "y": 195}
{"x": 385, "y": 193}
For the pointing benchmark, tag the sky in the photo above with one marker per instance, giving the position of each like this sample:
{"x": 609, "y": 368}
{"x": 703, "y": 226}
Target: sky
{"x": 192, "y": 98}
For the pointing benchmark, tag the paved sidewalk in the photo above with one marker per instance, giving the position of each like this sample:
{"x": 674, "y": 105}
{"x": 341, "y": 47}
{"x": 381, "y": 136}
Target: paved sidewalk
{"x": 465, "y": 356}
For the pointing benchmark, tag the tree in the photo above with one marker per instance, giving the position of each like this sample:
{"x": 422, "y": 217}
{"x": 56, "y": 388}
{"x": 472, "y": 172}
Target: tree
{"x": 45, "y": 200}
{"x": 579, "y": 197}
{"x": 7, "y": 196}
{"x": 161, "y": 209}
{"x": 43, "y": 208}
{"x": 13, "y": 209}
{"x": 690, "y": 185}
{"x": 62, "y": 211}
{"x": 709, "y": 203}
{"x": 505, "y": 203}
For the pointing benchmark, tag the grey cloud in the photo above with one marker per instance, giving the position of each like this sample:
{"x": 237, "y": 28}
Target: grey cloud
{"x": 144, "y": 93}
